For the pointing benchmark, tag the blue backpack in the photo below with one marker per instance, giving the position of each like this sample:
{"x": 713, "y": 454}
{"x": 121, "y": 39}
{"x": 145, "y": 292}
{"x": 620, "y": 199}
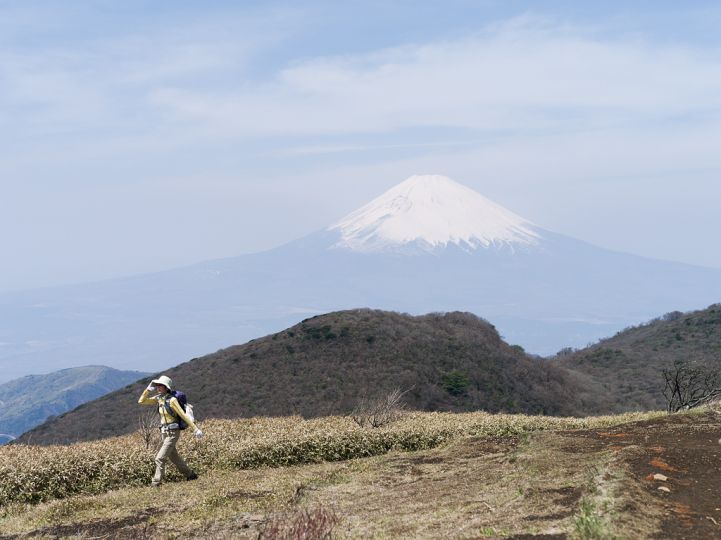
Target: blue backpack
{"x": 183, "y": 400}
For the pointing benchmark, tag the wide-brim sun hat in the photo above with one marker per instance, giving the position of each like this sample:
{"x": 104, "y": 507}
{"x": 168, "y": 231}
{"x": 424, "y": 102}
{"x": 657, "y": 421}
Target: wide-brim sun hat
{"x": 165, "y": 381}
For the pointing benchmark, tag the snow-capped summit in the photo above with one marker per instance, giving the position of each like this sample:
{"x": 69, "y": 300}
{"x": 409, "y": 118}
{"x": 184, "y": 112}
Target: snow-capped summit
{"x": 427, "y": 212}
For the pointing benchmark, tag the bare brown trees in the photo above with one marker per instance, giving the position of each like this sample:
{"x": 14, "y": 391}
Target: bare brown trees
{"x": 148, "y": 427}
{"x": 380, "y": 411}
{"x": 689, "y": 385}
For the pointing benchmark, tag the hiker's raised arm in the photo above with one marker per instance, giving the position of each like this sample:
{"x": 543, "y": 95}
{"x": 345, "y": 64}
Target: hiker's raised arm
{"x": 145, "y": 398}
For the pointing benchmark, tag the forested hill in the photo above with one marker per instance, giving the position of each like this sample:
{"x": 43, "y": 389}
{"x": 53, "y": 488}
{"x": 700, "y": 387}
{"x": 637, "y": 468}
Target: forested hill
{"x": 324, "y": 365}
{"x": 628, "y": 366}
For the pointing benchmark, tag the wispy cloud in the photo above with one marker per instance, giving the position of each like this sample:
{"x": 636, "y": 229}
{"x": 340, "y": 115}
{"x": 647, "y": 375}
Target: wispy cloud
{"x": 335, "y": 149}
{"x": 526, "y": 74}
{"x": 105, "y": 84}
{"x": 523, "y": 76}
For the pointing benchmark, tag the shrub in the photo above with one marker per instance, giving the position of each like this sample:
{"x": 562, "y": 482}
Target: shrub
{"x": 381, "y": 411}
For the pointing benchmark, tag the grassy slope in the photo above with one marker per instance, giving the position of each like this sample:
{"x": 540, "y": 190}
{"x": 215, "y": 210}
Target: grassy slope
{"x": 628, "y": 366}
{"x": 497, "y": 475}
{"x": 325, "y": 364}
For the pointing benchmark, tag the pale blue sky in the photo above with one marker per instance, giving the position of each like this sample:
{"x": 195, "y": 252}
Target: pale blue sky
{"x": 138, "y": 136}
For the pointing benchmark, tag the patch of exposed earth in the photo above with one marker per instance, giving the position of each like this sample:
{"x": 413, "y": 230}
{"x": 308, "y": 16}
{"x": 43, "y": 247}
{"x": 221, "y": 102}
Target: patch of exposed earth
{"x": 674, "y": 467}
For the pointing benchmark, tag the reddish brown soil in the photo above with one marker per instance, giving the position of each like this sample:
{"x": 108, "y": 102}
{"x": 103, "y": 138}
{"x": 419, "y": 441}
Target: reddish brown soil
{"x": 685, "y": 448}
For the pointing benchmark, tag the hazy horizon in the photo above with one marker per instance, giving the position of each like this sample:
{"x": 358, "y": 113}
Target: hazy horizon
{"x": 140, "y": 137}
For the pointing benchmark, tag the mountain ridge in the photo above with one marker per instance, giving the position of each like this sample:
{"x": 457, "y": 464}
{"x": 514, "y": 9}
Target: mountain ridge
{"x": 31, "y": 400}
{"x": 326, "y": 364}
{"x": 447, "y": 362}
{"x": 629, "y": 364}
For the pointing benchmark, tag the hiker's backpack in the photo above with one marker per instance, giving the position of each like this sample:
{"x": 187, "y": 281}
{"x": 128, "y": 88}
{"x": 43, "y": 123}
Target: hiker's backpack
{"x": 187, "y": 408}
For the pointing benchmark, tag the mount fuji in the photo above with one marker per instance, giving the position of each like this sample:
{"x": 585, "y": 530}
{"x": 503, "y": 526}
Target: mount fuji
{"x": 428, "y": 213}
{"x": 428, "y": 244}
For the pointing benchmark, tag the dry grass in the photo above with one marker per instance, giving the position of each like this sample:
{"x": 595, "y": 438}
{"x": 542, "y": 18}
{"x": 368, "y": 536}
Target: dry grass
{"x": 460, "y": 490}
{"x": 34, "y": 474}
{"x": 475, "y": 473}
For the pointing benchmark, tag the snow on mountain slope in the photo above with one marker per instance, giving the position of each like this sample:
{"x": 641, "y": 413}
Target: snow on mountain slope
{"x": 430, "y": 212}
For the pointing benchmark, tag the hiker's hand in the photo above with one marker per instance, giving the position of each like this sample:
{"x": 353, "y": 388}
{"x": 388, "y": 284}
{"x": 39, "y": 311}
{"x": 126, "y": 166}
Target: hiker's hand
{"x": 150, "y": 388}
{"x": 198, "y": 434}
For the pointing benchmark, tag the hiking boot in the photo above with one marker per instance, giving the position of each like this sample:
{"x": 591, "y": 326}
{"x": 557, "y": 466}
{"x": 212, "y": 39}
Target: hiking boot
{"x": 192, "y": 476}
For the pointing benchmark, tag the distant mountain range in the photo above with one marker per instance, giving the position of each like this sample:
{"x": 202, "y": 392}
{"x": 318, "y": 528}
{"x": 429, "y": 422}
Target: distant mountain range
{"x": 327, "y": 364}
{"x": 427, "y": 245}
{"x": 31, "y": 400}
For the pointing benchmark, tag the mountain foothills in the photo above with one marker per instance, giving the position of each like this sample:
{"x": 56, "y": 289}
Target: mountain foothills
{"x": 429, "y": 244}
{"x": 628, "y": 366}
{"x": 444, "y": 362}
{"x": 326, "y": 364}
{"x": 31, "y": 400}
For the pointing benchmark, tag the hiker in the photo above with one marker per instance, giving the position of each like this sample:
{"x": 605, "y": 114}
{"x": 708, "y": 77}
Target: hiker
{"x": 171, "y": 415}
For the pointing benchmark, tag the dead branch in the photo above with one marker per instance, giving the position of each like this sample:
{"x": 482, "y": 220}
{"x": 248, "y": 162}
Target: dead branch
{"x": 147, "y": 427}
{"x": 380, "y": 411}
{"x": 688, "y": 385}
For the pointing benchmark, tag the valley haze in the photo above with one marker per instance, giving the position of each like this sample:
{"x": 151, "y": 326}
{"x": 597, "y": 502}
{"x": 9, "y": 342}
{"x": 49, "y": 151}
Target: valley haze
{"x": 427, "y": 245}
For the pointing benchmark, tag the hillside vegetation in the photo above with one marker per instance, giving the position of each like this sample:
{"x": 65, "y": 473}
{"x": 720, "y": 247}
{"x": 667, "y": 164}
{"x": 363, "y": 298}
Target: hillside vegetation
{"x": 326, "y": 364}
{"x": 30, "y": 400}
{"x": 469, "y": 475}
{"x": 628, "y": 366}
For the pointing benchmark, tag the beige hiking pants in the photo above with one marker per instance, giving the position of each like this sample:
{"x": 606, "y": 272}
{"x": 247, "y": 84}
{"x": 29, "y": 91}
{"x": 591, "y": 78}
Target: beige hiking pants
{"x": 169, "y": 452}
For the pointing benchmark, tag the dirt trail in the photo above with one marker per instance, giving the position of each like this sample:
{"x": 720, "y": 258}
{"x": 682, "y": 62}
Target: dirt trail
{"x": 683, "y": 448}
{"x": 538, "y": 487}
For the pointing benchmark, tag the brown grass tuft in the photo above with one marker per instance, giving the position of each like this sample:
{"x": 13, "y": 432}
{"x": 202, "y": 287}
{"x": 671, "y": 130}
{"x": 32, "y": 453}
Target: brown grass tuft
{"x": 315, "y": 524}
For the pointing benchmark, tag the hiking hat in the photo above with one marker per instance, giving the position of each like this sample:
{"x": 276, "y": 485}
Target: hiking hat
{"x": 165, "y": 381}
